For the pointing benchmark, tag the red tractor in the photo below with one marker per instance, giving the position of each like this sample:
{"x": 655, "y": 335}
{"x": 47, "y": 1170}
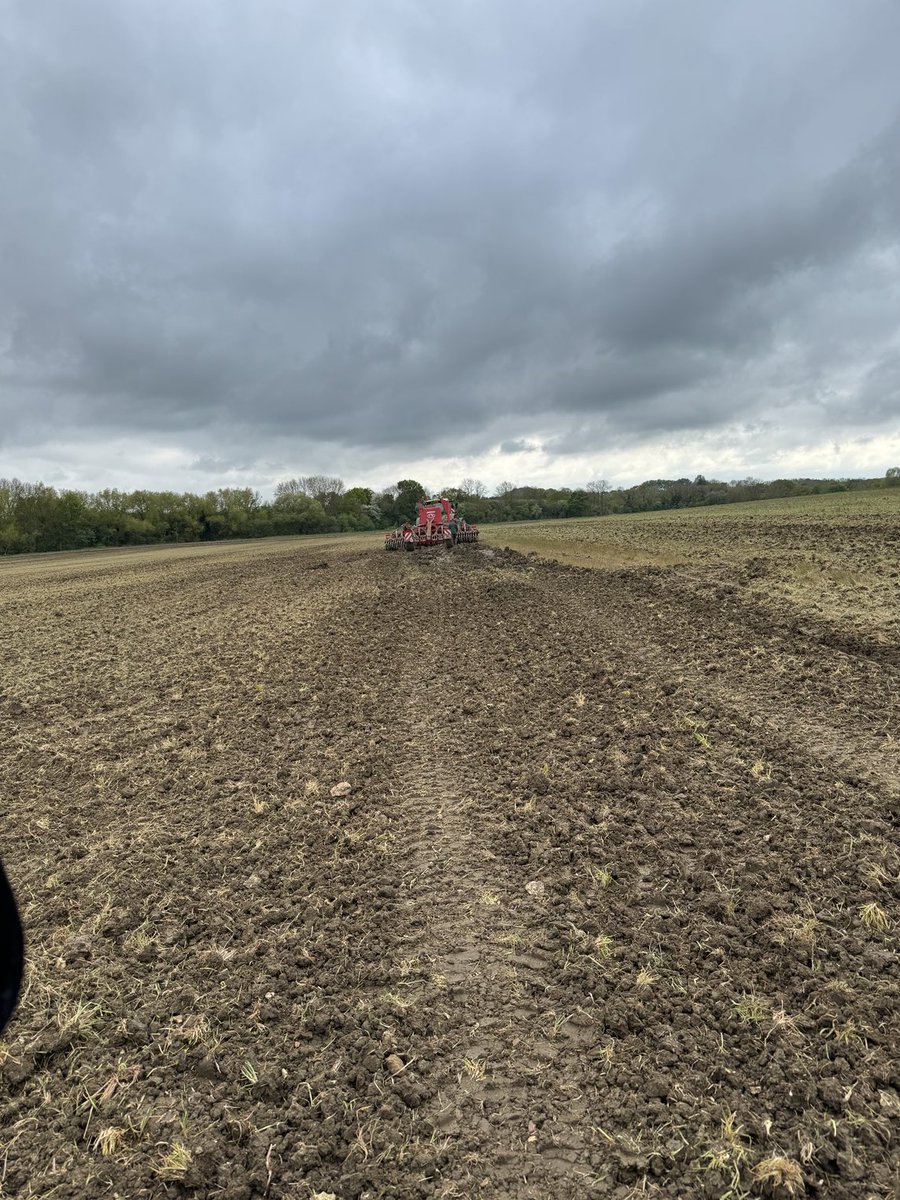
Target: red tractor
{"x": 437, "y": 524}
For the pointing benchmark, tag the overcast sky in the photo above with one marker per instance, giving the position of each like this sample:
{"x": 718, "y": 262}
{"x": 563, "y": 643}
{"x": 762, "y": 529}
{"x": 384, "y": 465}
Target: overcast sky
{"x": 503, "y": 238}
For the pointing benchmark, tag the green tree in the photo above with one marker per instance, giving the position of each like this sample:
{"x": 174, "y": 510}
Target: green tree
{"x": 357, "y": 496}
{"x": 354, "y": 509}
{"x": 295, "y": 512}
{"x": 578, "y": 504}
{"x": 409, "y": 493}
{"x": 11, "y": 537}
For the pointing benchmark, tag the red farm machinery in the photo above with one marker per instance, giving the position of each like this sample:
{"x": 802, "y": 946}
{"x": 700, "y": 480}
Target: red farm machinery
{"x": 437, "y": 524}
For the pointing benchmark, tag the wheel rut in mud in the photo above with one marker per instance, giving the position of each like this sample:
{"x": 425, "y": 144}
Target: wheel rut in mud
{"x": 485, "y": 979}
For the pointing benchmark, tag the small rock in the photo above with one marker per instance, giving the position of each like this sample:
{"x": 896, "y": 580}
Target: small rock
{"x": 535, "y": 888}
{"x": 79, "y": 947}
{"x": 341, "y": 789}
{"x": 207, "y": 1068}
{"x": 16, "y": 1071}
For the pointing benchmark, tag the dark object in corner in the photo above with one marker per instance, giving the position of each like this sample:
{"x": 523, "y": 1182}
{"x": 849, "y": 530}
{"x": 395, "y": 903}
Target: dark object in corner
{"x": 12, "y": 951}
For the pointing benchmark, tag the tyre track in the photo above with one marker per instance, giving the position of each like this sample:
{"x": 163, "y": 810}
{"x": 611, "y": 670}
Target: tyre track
{"x": 481, "y": 938}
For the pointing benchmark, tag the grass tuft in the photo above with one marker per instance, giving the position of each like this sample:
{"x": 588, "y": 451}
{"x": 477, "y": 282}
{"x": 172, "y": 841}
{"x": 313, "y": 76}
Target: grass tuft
{"x": 176, "y": 1164}
{"x": 781, "y": 1173}
{"x": 873, "y": 916}
{"x": 751, "y": 1009}
{"x": 109, "y": 1140}
{"x": 601, "y": 876}
{"x": 474, "y": 1069}
{"x": 603, "y": 944}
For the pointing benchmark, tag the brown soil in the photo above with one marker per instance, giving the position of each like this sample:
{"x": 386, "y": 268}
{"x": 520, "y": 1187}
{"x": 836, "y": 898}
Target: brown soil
{"x": 446, "y": 874}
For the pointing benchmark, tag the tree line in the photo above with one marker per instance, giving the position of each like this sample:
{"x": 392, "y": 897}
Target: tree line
{"x": 37, "y": 517}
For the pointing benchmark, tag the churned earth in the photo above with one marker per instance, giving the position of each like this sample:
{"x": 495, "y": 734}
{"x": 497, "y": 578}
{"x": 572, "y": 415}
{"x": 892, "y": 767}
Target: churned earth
{"x": 447, "y": 874}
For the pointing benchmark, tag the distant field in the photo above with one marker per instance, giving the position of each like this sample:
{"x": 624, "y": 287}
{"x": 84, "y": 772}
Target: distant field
{"x": 807, "y": 525}
{"x": 126, "y": 558}
{"x": 834, "y": 557}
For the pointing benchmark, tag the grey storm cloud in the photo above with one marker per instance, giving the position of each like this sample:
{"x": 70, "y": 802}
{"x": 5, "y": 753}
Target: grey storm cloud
{"x": 353, "y": 223}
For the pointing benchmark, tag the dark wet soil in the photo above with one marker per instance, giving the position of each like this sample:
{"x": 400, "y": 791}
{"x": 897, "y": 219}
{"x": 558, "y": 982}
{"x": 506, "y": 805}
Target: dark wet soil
{"x": 454, "y": 874}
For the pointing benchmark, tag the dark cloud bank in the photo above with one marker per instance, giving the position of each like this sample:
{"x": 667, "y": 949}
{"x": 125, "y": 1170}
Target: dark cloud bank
{"x": 350, "y": 226}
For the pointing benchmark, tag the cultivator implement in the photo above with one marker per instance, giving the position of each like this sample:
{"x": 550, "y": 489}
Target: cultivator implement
{"x": 437, "y": 524}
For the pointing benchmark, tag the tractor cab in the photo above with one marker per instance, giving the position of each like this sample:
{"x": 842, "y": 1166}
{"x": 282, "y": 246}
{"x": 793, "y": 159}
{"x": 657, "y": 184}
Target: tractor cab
{"x": 434, "y": 512}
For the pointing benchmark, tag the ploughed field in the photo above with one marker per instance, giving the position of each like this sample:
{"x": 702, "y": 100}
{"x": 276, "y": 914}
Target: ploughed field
{"x": 453, "y": 874}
